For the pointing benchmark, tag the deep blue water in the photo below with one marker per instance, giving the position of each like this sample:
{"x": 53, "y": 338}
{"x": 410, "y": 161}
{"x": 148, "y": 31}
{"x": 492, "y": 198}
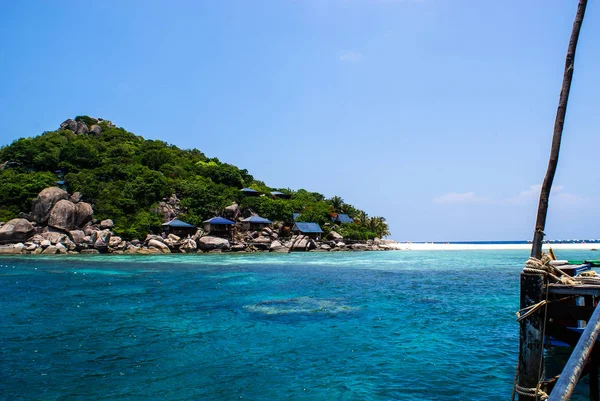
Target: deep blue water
{"x": 325, "y": 326}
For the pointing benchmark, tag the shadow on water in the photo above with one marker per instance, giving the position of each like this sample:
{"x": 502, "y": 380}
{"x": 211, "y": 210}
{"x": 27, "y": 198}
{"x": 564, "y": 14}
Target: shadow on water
{"x": 300, "y": 308}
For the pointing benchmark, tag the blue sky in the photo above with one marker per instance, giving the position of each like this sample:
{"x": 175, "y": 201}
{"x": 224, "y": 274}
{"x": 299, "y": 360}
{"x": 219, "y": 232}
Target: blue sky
{"x": 436, "y": 114}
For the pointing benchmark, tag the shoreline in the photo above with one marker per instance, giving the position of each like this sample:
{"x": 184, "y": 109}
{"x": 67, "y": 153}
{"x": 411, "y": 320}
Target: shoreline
{"x": 6, "y": 250}
{"x": 407, "y": 246}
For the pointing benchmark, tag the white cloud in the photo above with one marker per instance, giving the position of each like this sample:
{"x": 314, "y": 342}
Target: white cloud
{"x": 528, "y": 195}
{"x": 557, "y": 194}
{"x": 465, "y": 197}
{"x": 350, "y": 57}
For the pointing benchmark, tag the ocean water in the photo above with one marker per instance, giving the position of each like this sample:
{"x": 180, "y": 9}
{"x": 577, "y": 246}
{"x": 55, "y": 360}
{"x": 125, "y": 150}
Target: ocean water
{"x": 318, "y": 326}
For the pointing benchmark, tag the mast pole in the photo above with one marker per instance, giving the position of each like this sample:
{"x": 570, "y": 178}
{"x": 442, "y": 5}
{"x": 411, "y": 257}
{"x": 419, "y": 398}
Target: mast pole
{"x": 540, "y": 224}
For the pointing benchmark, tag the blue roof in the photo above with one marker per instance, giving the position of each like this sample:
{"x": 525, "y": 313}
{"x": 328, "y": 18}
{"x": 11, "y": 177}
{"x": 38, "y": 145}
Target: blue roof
{"x": 248, "y": 190}
{"x": 257, "y": 219}
{"x": 343, "y": 218}
{"x": 295, "y": 216}
{"x": 178, "y": 224}
{"x": 61, "y": 182}
{"x": 219, "y": 220}
{"x": 277, "y": 193}
{"x": 307, "y": 227}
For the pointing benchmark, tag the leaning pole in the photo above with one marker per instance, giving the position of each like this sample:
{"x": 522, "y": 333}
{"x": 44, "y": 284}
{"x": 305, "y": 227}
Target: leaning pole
{"x": 531, "y": 341}
{"x": 559, "y": 122}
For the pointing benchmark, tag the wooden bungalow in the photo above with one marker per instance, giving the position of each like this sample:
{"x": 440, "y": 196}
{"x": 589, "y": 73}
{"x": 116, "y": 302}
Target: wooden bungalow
{"x": 219, "y": 226}
{"x": 311, "y": 230}
{"x": 342, "y": 218}
{"x": 255, "y": 223}
{"x": 280, "y": 195}
{"x": 249, "y": 192}
{"x": 179, "y": 228}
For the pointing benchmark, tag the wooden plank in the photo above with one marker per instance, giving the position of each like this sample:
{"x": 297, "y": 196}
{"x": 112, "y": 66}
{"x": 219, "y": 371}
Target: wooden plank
{"x": 575, "y": 290}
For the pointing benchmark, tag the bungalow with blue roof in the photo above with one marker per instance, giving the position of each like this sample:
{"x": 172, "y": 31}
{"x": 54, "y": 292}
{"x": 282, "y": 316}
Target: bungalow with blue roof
{"x": 280, "y": 195}
{"x": 255, "y": 223}
{"x": 249, "y": 192}
{"x": 311, "y": 230}
{"x": 179, "y": 228}
{"x": 218, "y": 226}
{"x": 342, "y": 218}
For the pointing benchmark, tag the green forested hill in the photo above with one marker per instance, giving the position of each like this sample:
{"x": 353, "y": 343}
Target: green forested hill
{"x": 125, "y": 176}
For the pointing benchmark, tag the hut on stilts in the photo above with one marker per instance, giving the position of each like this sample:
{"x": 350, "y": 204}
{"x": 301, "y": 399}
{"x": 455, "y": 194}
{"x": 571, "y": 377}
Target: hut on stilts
{"x": 558, "y": 300}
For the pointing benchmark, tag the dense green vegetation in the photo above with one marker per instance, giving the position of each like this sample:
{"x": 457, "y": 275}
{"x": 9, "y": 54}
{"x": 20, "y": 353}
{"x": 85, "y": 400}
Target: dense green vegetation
{"x": 125, "y": 176}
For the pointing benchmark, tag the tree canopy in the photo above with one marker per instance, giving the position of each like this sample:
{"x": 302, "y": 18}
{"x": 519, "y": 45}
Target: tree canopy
{"x": 125, "y": 177}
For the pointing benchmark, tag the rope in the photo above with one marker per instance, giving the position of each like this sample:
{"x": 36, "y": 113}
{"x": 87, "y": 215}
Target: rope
{"x": 530, "y": 310}
{"x": 531, "y": 392}
{"x": 537, "y": 266}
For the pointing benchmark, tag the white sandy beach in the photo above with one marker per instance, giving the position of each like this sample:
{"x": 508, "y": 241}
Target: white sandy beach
{"x": 408, "y": 246}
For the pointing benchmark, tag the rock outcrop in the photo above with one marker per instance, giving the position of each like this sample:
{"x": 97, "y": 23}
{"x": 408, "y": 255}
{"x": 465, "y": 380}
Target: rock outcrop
{"x": 302, "y": 243}
{"x": 82, "y": 128}
{"x": 68, "y": 216}
{"x": 16, "y": 230}
{"x": 188, "y": 245}
{"x": 95, "y": 129}
{"x": 45, "y": 201}
{"x": 102, "y": 240}
{"x": 209, "y": 243}
{"x": 168, "y": 208}
{"x": 232, "y": 212}
{"x": 69, "y": 124}
{"x": 161, "y": 246}
{"x": 334, "y": 236}
{"x": 106, "y": 224}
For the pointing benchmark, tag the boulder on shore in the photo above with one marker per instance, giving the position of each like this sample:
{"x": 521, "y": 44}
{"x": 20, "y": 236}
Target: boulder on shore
{"x": 302, "y": 243}
{"x": 161, "y": 246}
{"x": 45, "y": 201}
{"x": 334, "y": 236}
{"x": 62, "y": 215}
{"x": 209, "y": 243}
{"x": 188, "y": 245}
{"x": 83, "y": 213}
{"x": 77, "y": 236}
{"x": 16, "y": 230}
{"x": 10, "y": 250}
{"x": 102, "y": 240}
{"x": 51, "y": 250}
{"x": 67, "y": 215}
{"x": 278, "y": 247}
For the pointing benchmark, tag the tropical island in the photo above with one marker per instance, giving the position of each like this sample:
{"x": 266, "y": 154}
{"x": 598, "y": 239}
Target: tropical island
{"x": 91, "y": 187}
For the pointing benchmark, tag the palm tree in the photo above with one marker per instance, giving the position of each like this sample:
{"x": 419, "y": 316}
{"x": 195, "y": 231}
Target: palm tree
{"x": 379, "y": 226}
{"x": 362, "y": 219}
{"x": 337, "y": 203}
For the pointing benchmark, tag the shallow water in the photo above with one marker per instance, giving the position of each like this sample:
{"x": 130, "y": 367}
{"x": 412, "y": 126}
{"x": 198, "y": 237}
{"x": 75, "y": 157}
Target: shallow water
{"x": 327, "y": 326}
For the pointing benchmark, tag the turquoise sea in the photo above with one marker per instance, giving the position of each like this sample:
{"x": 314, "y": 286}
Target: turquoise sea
{"x": 318, "y": 326}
